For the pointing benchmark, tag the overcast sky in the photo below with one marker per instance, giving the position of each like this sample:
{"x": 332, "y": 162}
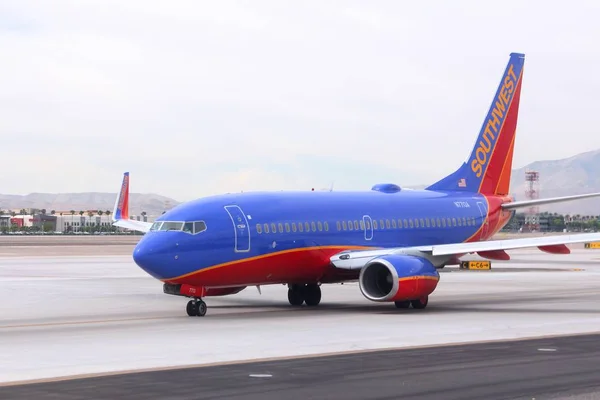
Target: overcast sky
{"x": 197, "y": 98}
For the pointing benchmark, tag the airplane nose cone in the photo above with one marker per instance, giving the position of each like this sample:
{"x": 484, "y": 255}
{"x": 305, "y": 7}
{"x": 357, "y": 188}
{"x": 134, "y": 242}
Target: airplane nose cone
{"x": 153, "y": 256}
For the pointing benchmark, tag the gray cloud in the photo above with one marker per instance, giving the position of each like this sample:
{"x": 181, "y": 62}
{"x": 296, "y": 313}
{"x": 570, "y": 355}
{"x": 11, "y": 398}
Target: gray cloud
{"x": 196, "y": 98}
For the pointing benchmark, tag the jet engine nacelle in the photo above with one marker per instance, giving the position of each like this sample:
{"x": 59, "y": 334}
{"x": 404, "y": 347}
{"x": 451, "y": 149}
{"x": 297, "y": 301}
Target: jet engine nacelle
{"x": 398, "y": 277}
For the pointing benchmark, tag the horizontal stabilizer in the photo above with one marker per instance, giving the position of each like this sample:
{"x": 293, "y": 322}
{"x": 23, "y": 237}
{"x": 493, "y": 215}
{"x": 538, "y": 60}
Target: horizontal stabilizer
{"x": 133, "y": 225}
{"x": 539, "y": 202}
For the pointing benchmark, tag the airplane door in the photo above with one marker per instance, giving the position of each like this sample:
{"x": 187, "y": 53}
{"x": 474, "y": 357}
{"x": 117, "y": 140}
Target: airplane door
{"x": 484, "y": 219}
{"x": 241, "y": 228}
{"x": 368, "y": 227}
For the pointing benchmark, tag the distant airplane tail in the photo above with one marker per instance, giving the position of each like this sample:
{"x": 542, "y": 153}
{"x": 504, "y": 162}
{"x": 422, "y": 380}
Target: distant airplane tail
{"x": 121, "y": 210}
{"x": 488, "y": 168}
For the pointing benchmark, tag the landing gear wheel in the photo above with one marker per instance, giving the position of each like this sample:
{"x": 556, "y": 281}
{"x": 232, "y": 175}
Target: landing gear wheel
{"x": 201, "y": 308}
{"x": 312, "y": 295}
{"x": 402, "y": 304}
{"x": 420, "y": 303}
{"x": 296, "y": 295}
{"x": 191, "y": 308}
{"x": 196, "y": 308}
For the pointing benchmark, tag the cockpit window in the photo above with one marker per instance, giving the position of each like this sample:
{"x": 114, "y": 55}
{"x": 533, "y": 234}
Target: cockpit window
{"x": 188, "y": 227}
{"x": 192, "y": 227}
{"x": 199, "y": 226}
{"x": 171, "y": 226}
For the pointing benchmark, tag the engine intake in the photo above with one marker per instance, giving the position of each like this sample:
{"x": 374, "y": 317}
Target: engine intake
{"x": 398, "y": 277}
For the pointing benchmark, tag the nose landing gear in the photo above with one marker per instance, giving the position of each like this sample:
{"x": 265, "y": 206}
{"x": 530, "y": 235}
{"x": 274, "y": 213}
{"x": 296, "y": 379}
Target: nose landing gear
{"x": 196, "y": 308}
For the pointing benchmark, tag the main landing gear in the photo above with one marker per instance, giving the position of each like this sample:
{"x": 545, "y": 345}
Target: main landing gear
{"x": 309, "y": 294}
{"x": 418, "y": 303}
{"x": 196, "y": 308}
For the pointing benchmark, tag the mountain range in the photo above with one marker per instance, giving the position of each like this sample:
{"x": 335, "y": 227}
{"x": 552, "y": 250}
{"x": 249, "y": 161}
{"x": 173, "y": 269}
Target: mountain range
{"x": 574, "y": 175}
{"x": 152, "y": 204}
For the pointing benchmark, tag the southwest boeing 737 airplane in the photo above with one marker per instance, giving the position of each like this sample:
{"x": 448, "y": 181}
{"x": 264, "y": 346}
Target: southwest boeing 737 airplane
{"x": 392, "y": 240}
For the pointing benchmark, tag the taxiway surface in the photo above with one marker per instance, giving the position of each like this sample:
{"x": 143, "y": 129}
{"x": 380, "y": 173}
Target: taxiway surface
{"x": 78, "y": 315}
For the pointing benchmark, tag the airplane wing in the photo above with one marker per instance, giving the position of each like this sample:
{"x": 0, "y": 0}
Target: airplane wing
{"x": 121, "y": 210}
{"x": 357, "y": 259}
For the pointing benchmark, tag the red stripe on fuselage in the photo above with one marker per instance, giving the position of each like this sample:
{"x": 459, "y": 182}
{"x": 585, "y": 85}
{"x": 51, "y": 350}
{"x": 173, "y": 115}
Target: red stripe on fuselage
{"x": 303, "y": 265}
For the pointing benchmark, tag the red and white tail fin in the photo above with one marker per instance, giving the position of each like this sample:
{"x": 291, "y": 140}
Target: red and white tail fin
{"x": 121, "y": 210}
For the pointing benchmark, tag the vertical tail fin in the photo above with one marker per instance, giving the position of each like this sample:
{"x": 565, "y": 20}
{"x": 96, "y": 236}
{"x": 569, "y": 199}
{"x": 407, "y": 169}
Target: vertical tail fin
{"x": 121, "y": 210}
{"x": 489, "y": 166}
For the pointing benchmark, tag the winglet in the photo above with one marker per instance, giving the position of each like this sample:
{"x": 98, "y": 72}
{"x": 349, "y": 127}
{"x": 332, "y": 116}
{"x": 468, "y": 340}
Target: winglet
{"x": 121, "y": 210}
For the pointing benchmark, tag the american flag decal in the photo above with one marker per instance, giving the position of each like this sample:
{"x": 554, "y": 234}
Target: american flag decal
{"x": 462, "y": 183}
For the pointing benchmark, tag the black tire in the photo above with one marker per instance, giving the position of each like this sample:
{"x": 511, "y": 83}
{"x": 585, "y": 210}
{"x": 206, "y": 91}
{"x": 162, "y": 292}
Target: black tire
{"x": 402, "y": 304}
{"x": 191, "y": 309}
{"x": 312, "y": 295}
{"x": 295, "y": 296}
{"x": 420, "y": 303}
{"x": 201, "y": 307}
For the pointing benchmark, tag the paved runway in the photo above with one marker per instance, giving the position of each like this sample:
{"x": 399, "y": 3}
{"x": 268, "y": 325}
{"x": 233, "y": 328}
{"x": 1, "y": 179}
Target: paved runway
{"x": 551, "y": 368}
{"x": 64, "y": 316}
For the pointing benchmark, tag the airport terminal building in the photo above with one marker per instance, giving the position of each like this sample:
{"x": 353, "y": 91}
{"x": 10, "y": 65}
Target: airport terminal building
{"x": 63, "y": 221}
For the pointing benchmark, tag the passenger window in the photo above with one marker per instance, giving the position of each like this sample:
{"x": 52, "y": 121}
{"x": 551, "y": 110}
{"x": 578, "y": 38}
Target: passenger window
{"x": 293, "y": 227}
{"x": 381, "y": 223}
{"x": 459, "y": 222}
{"x": 362, "y": 225}
{"x": 422, "y": 223}
{"x": 300, "y": 226}
{"x": 313, "y": 226}
{"x": 411, "y": 224}
{"x": 444, "y": 222}
{"x": 326, "y": 225}
{"x": 344, "y": 224}
{"x": 405, "y": 223}
{"x": 287, "y": 227}
{"x": 280, "y": 226}
{"x": 306, "y": 227}
{"x": 394, "y": 224}
{"x": 387, "y": 224}
{"x": 258, "y": 228}
{"x": 273, "y": 228}
{"x": 375, "y": 224}
{"x": 350, "y": 227}
{"x": 368, "y": 225}
{"x": 355, "y": 224}
{"x": 464, "y": 221}
{"x": 266, "y": 226}
{"x": 427, "y": 222}
{"x": 338, "y": 225}
{"x": 319, "y": 226}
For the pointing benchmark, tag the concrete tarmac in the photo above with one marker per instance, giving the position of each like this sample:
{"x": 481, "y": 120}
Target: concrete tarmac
{"x": 549, "y": 368}
{"x": 71, "y": 315}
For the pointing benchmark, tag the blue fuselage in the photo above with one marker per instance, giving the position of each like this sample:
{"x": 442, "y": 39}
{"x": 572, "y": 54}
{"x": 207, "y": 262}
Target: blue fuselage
{"x": 234, "y": 229}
